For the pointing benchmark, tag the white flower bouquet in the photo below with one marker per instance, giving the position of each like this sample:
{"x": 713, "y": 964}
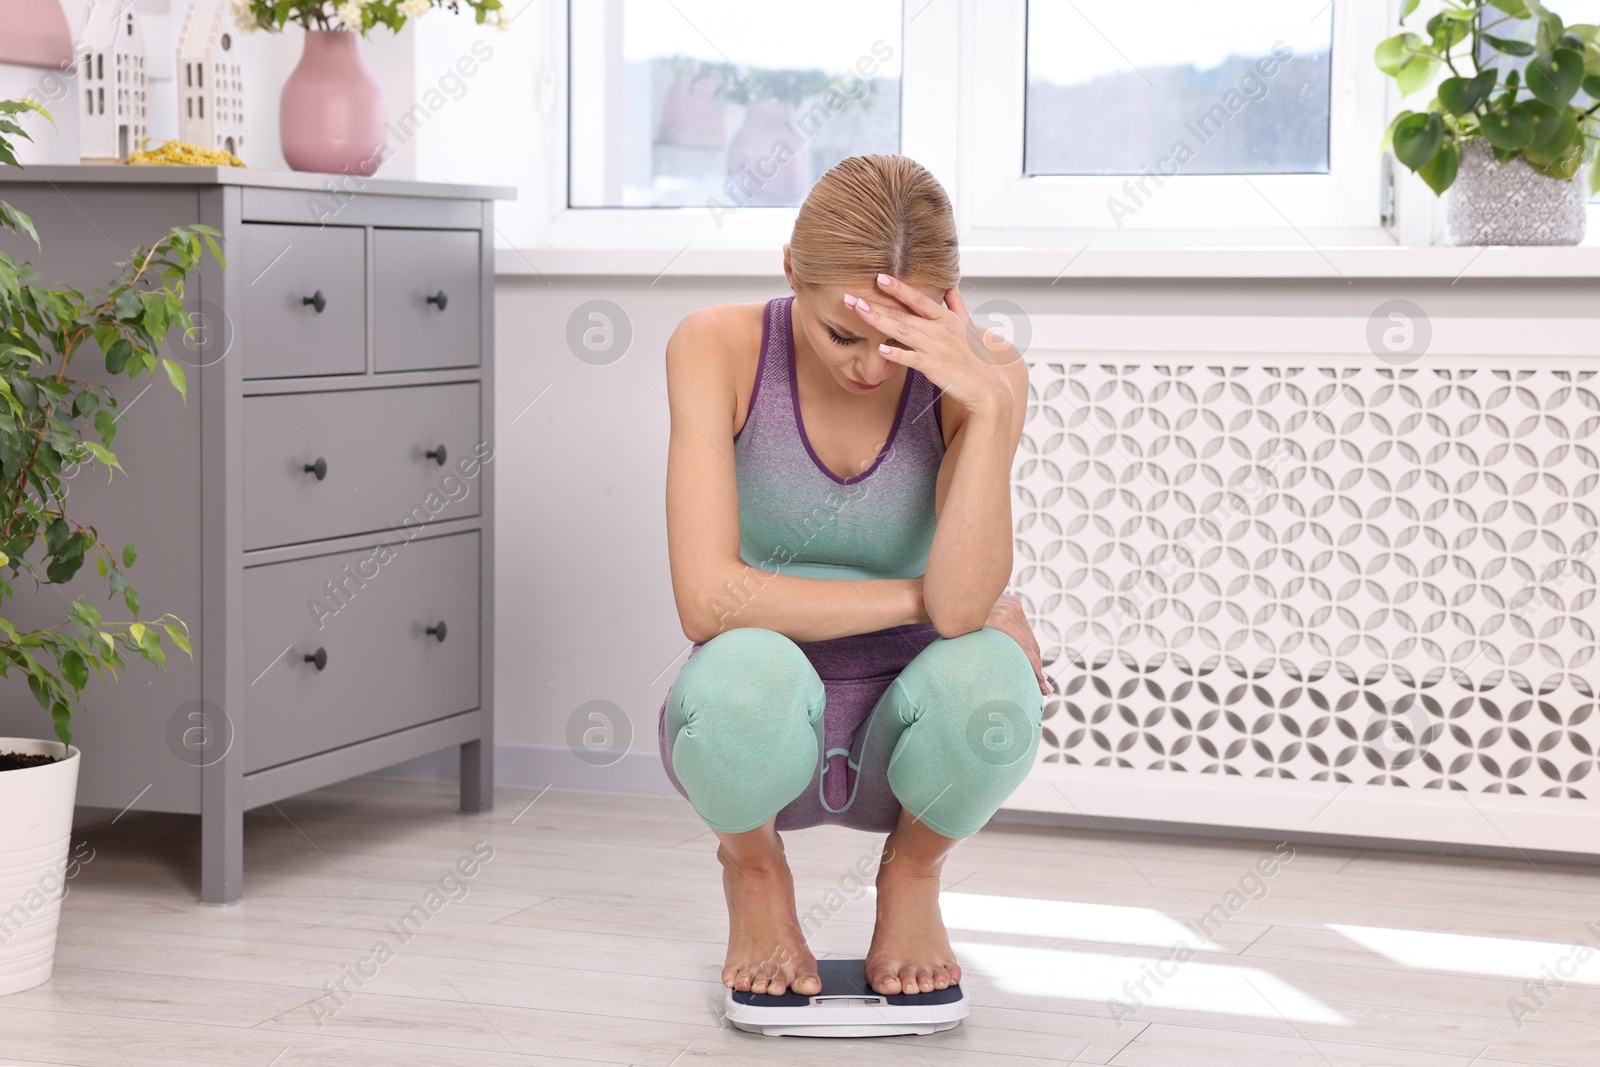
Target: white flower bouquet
{"x": 355, "y": 15}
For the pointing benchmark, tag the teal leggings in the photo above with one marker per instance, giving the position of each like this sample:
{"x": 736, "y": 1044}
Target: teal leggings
{"x": 945, "y": 727}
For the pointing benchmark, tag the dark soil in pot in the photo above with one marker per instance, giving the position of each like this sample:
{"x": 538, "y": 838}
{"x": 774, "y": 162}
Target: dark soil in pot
{"x": 16, "y": 761}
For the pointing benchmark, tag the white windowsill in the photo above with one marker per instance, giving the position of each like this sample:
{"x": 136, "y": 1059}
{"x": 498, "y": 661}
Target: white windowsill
{"x": 1334, "y": 263}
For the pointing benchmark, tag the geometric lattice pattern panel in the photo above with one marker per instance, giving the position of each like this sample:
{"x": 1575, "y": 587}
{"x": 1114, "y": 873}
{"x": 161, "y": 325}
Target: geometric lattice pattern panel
{"x": 1370, "y": 574}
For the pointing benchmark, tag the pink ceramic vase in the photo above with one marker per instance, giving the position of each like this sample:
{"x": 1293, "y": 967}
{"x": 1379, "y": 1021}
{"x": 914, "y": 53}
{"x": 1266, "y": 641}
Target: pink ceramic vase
{"x": 36, "y": 34}
{"x": 330, "y": 116}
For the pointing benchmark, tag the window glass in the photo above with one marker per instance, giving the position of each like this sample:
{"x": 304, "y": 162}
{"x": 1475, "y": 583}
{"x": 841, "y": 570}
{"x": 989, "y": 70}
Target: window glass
{"x": 678, "y": 103}
{"x": 1178, "y": 86}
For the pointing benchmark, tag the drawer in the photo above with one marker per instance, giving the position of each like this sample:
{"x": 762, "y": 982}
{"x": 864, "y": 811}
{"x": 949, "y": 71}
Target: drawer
{"x": 372, "y": 447}
{"x": 369, "y": 613}
{"x": 428, "y": 298}
{"x": 286, "y": 266}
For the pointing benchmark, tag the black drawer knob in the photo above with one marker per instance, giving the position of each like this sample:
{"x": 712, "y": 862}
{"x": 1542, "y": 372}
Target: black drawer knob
{"x": 319, "y": 468}
{"x": 441, "y": 298}
{"x": 438, "y": 631}
{"x": 436, "y": 454}
{"x": 319, "y": 657}
{"x": 318, "y": 300}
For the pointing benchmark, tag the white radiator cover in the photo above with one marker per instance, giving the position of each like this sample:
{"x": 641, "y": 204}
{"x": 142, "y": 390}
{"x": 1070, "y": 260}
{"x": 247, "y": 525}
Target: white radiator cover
{"x": 1281, "y": 583}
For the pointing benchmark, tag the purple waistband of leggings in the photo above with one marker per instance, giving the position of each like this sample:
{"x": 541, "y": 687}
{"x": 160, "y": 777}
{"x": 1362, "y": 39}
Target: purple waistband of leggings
{"x": 867, "y": 655}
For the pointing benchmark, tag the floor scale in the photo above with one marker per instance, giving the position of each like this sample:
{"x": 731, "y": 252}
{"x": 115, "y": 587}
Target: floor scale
{"x": 846, "y": 1007}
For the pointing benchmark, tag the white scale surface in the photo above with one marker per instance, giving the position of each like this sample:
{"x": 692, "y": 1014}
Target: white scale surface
{"x": 846, "y": 1007}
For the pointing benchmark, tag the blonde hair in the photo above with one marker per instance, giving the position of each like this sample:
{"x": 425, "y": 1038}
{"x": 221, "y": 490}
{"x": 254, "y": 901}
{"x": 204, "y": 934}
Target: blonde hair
{"x": 875, "y": 214}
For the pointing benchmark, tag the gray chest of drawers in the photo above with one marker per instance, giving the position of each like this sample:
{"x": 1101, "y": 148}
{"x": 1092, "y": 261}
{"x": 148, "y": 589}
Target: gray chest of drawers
{"x": 319, "y": 512}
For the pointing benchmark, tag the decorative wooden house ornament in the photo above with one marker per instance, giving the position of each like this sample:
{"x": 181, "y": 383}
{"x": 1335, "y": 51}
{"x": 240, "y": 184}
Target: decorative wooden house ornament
{"x": 210, "y": 82}
{"x": 111, "y": 82}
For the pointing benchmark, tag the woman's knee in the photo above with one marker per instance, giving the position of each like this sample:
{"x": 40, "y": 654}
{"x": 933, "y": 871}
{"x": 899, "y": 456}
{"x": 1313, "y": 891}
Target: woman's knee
{"x": 972, "y": 711}
{"x": 979, "y": 693}
{"x": 756, "y": 676}
{"x": 741, "y": 727}
{"x": 982, "y": 669}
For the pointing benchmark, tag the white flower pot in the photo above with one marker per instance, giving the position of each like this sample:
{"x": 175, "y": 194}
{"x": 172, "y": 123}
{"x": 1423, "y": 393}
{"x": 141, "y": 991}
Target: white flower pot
{"x": 35, "y": 827}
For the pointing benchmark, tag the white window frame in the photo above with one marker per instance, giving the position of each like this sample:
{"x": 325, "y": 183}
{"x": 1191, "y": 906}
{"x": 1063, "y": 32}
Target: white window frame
{"x": 951, "y": 50}
{"x": 1344, "y": 204}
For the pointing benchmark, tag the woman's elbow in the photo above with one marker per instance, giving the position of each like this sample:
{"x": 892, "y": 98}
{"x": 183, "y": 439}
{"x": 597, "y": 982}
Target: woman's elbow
{"x": 695, "y": 628}
{"x": 961, "y": 607}
{"x": 702, "y": 624}
{"x": 952, "y": 625}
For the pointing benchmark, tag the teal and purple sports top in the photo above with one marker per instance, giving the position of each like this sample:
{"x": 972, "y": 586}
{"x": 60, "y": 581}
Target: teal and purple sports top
{"x": 797, "y": 517}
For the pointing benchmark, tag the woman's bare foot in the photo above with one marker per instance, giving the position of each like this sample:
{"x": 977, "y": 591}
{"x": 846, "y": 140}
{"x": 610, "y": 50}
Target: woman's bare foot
{"x": 767, "y": 952}
{"x": 910, "y": 950}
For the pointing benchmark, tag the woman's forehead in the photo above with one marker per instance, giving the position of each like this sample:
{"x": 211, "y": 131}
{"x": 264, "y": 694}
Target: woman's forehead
{"x": 869, "y": 291}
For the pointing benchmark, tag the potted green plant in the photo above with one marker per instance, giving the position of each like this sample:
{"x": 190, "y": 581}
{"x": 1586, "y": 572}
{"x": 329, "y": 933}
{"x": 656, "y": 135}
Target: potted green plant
{"x": 1508, "y": 138}
{"x": 331, "y": 117}
{"x": 51, "y": 425}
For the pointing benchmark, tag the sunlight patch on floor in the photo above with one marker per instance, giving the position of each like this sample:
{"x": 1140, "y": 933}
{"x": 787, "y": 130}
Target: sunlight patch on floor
{"x": 1218, "y": 988}
{"x": 1066, "y": 920}
{"x": 1472, "y": 954}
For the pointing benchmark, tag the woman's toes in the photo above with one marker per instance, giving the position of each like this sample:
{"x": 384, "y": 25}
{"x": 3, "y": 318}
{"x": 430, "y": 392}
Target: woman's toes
{"x": 908, "y": 980}
{"x": 807, "y": 983}
{"x": 887, "y": 983}
{"x": 741, "y": 980}
{"x": 925, "y": 980}
{"x": 941, "y": 978}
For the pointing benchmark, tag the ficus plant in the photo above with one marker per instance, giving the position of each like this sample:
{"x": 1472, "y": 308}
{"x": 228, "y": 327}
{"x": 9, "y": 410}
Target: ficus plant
{"x": 1536, "y": 112}
{"x": 53, "y": 425}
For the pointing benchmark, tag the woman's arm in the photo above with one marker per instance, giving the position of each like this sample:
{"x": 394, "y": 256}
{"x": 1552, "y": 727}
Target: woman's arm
{"x": 715, "y": 590}
{"x": 970, "y": 560}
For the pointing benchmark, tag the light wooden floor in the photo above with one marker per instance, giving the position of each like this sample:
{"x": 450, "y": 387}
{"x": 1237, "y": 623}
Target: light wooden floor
{"x": 595, "y": 935}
